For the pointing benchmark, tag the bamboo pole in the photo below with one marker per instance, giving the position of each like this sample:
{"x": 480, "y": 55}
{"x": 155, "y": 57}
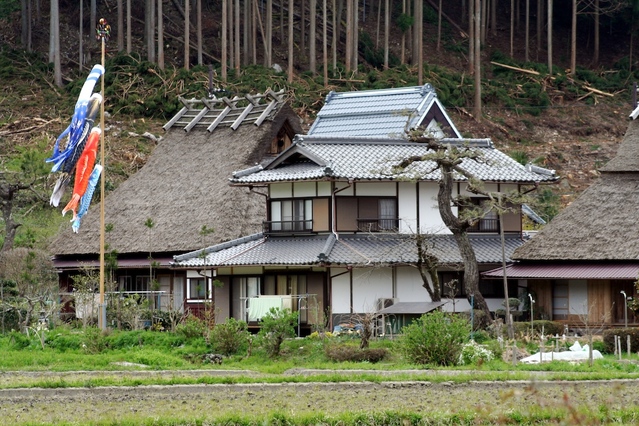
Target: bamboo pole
{"x": 102, "y": 309}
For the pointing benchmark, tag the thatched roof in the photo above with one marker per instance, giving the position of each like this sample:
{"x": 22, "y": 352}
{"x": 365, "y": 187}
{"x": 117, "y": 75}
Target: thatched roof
{"x": 598, "y": 225}
{"x": 183, "y": 187}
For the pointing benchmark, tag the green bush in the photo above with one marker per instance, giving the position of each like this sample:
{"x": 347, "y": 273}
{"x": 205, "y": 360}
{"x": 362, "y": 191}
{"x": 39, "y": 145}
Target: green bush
{"x": 94, "y": 340}
{"x": 191, "y": 327}
{"x": 342, "y": 353}
{"x": 277, "y": 325}
{"x": 64, "y": 341}
{"x": 609, "y": 339}
{"x": 229, "y": 337}
{"x": 435, "y": 338}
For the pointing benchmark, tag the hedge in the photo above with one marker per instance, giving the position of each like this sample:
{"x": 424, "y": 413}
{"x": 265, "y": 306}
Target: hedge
{"x": 609, "y": 339}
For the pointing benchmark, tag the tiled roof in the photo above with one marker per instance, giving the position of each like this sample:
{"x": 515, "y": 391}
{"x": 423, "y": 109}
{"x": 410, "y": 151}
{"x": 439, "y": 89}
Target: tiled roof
{"x": 376, "y": 113}
{"x": 348, "y": 249}
{"x": 373, "y": 159}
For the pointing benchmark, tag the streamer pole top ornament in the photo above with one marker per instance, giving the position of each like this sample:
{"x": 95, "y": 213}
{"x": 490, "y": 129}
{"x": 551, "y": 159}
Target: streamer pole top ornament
{"x": 103, "y": 30}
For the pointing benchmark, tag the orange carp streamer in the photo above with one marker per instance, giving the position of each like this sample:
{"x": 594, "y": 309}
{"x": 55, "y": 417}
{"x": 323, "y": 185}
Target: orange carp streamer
{"x": 83, "y": 171}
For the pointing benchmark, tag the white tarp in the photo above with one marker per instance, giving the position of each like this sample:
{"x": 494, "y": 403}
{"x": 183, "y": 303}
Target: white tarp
{"x": 576, "y": 353}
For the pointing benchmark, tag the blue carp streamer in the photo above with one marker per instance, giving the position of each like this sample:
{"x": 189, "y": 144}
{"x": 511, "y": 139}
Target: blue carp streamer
{"x": 85, "y": 201}
{"x": 75, "y": 129}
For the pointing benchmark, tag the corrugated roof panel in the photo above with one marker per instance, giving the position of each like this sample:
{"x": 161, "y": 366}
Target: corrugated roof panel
{"x": 606, "y": 271}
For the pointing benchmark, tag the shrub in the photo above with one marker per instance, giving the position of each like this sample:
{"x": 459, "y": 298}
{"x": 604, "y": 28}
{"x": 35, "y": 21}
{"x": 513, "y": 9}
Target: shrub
{"x": 94, "y": 341}
{"x": 277, "y": 325}
{"x": 229, "y": 337}
{"x": 191, "y": 327}
{"x": 609, "y": 339}
{"x": 474, "y": 353}
{"x": 435, "y": 338}
{"x": 341, "y": 353}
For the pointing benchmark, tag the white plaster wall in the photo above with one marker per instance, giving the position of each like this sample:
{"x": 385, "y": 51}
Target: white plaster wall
{"x": 409, "y": 286}
{"x": 344, "y": 189}
{"x": 369, "y": 285}
{"x": 340, "y": 291}
{"x": 578, "y": 297}
{"x": 323, "y": 189}
{"x": 281, "y": 190}
{"x": 378, "y": 189}
{"x": 429, "y": 219}
{"x": 304, "y": 189}
{"x": 407, "y": 200}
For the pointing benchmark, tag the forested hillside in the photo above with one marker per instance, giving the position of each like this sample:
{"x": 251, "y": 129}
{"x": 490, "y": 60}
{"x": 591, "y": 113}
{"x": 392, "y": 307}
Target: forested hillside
{"x": 542, "y": 98}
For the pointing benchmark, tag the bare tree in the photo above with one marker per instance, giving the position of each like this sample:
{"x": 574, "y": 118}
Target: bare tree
{"x": 160, "y": 35}
{"x": 120, "y": 24}
{"x": 477, "y": 55}
{"x": 54, "y": 42}
{"x": 187, "y": 32}
{"x": 312, "y": 36}
{"x": 291, "y": 9}
{"x": 25, "y": 16}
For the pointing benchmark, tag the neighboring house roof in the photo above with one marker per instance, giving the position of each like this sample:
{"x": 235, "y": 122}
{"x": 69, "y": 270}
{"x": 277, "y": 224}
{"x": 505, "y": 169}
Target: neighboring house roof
{"x": 349, "y": 249}
{"x": 183, "y": 187}
{"x": 598, "y": 225}
{"x": 571, "y": 270}
{"x": 314, "y": 158}
{"x": 382, "y": 113}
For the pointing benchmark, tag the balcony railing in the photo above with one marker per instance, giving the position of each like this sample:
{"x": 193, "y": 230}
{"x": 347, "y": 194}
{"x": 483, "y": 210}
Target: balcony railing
{"x": 377, "y": 225}
{"x": 287, "y": 226}
{"x": 485, "y": 225}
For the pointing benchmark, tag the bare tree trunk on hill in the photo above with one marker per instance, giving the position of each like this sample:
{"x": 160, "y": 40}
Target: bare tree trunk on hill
{"x": 573, "y": 39}
{"x": 540, "y": 20}
{"x": 187, "y": 34}
{"x": 349, "y": 34}
{"x": 336, "y": 31}
{"x": 224, "y": 42}
{"x": 493, "y": 17}
{"x": 236, "y": 11}
{"x": 325, "y": 44}
{"x": 149, "y": 29}
{"x": 527, "y": 36}
{"x": 246, "y": 33}
{"x": 471, "y": 37}
{"x": 160, "y": 36}
{"x": 93, "y": 13}
{"x": 439, "y": 25}
{"x": 290, "y": 40}
{"x": 419, "y": 13}
{"x": 128, "y": 27}
{"x": 386, "y": 32}
{"x": 80, "y": 41}
{"x": 312, "y": 37}
{"x": 595, "y": 58}
{"x": 54, "y": 43}
{"x": 355, "y": 50}
{"x": 198, "y": 13}
{"x": 231, "y": 39}
{"x": 549, "y": 37}
{"x": 120, "y": 25}
{"x": 25, "y": 17}
{"x": 268, "y": 58}
{"x": 512, "y": 28}
{"x": 477, "y": 53}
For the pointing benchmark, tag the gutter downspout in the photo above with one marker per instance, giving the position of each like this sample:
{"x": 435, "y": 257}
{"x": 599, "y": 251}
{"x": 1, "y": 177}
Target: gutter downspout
{"x": 334, "y": 208}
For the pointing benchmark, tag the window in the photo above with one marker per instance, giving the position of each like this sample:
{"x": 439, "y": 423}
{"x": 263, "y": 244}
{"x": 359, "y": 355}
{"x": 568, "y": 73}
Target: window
{"x": 292, "y": 215}
{"x": 129, "y": 284}
{"x": 377, "y": 214}
{"x": 197, "y": 288}
{"x": 489, "y": 223}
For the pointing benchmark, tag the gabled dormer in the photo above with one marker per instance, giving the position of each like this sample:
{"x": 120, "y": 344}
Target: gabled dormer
{"x": 385, "y": 113}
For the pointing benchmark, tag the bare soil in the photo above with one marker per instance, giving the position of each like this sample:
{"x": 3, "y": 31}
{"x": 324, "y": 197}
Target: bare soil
{"x": 185, "y": 403}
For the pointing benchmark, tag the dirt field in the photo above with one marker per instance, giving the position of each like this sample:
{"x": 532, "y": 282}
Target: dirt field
{"x": 210, "y": 402}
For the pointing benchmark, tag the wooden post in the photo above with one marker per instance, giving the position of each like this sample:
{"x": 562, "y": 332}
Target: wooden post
{"x": 102, "y": 305}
